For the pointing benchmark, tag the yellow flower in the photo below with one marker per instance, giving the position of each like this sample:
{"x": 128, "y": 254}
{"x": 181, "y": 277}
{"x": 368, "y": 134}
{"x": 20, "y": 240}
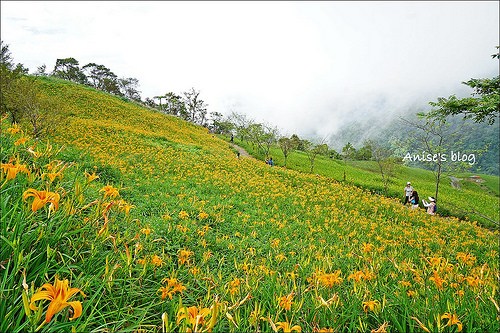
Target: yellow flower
{"x": 452, "y": 320}
{"x": 287, "y": 327}
{"x": 331, "y": 279}
{"x": 411, "y": 293}
{"x": 473, "y": 281}
{"x": 91, "y": 177}
{"x": 234, "y": 286}
{"x": 14, "y": 129}
{"x": 437, "y": 280}
{"x": 466, "y": 258}
{"x": 12, "y": 170}
{"x": 184, "y": 256}
{"x": 41, "y": 198}
{"x": 356, "y": 276}
{"x": 146, "y": 231}
{"x": 156, "y": 260}
{"x": 202, "y": 215}
{"x": 58, "y": 295}
{"x": 183, "y": 214}
{"x": 286, "y": 301}
{"x": 173, "y": 286}
{"x": 124, "y": 206}
{"x": 20, "y": 141}
{"x": 371, "y": 305}
{"x": 435, "y": 261}
{"x": 275, "y": 243}
{"x": 194, "y": 316}
{"x": 110, "y": 191}
{"x": 367, "y": 247}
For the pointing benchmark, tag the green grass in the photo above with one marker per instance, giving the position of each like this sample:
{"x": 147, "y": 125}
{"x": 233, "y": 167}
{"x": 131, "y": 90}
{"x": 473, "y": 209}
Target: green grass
{"x": 473, "y": 201}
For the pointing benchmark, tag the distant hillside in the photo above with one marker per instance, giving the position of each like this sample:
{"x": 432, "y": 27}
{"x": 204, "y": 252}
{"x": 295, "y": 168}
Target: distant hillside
{"x": 393, "y": 130}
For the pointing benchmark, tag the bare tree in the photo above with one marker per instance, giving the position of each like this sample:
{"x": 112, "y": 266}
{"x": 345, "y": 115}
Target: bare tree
{"x": 436, "y": 142}
{"x": 287, "y": 146}
{"x": 313, "y": 150}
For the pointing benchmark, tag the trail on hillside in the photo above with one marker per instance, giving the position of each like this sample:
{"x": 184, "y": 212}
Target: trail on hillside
{"x": 243, "y": 152}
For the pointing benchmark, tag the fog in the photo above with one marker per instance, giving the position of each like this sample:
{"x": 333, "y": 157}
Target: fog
{"x": 306, "y": 67}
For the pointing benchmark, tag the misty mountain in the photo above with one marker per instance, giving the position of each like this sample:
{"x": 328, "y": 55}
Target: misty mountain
{"x": 390, "y": 133}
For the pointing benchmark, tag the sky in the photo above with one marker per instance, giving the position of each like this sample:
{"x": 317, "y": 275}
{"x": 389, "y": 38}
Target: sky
{"x": 306, "y": 67}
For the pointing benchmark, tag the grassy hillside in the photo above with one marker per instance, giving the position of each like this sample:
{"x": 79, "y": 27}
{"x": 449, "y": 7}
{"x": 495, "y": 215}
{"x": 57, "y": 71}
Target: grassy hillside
{"x": 160, "y": 227}
{"x": 473, "y": 201}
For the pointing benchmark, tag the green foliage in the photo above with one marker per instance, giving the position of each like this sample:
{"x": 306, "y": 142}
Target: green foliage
{"x": 483, "y": 106}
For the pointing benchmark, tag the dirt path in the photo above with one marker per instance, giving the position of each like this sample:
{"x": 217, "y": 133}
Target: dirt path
{"x": 243, "y": 152}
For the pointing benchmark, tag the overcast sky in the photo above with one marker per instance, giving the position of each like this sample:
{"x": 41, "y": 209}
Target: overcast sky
{"x": 305, "y": 67}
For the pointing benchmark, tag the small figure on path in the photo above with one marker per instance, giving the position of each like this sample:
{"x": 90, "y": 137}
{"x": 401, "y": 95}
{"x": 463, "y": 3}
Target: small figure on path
{"x": 431, "y": 206}
{"x": 232, "y": 138}
{"x": 270, "y": 161}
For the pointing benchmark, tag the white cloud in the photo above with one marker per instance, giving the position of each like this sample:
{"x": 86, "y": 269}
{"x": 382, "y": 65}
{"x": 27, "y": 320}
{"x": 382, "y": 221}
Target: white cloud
{"x": 303, "y": 66}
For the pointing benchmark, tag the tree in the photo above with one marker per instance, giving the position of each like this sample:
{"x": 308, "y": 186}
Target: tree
{"x": 348, "y": 151}
{"x": 102, "y": 78}
{"x": 220, "y": 125}
{"x": 364, "y": 153}
{"x": 287, "y": 146}
{"x": 313, "y": 150}
{"x": 241, "y": 124}
{"x": 437, "y": 142}
{"x": 386, "y": 162}
{"x": 68, "y": 69}
{"x": 484, "y": 105}
{"x": 196, "y": 108}
{"x": 41, "y": 71}
{"x": 174, "y": 105}
{"x": 128, "y": 88}
{"x": 150, "y": 103}
{"x": 297, "y": 142}
{"x": 263, "y": 136}
{"x": 32, "y": 106}
{"x": 9, "y": 75}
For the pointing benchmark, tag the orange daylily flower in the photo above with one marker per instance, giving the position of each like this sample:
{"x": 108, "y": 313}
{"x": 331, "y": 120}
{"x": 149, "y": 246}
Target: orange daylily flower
{"x": 287, "y": 327}
{"x": 91, "y": 177}
{"x": 437, "y": 280}
{"x": 184, "y": 256}
{"x": 20, "y": 141}
{"x": 370, "y": 305}
{"x": 41, "y": 198}
{"x": 14, "y": 129}
{"x": 286, "y": 301}
{"x": 110, "y": 191}
{"x": 58, "y": 295}
{"x": 171, "y": 288}
{"x": 156, "y": 260}
{"x": 452, "y": 320}
{"x": 12, "y": 170}
{"x": 331, "y": 279}
{"x": 194, "y": 316}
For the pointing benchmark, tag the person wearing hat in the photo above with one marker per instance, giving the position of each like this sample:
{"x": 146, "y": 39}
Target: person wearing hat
{"x": 431, "y": 206}
{"x": 408, "y": 191}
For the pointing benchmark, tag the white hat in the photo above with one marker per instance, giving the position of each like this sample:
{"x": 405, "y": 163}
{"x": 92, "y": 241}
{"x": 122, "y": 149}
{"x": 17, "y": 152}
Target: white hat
{"x": 432, "y": 199}
{"x": 408, "y": 183}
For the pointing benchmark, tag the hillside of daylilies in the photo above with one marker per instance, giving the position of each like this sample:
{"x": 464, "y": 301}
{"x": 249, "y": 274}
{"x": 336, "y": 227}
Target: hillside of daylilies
{"x": 126, "y": 219}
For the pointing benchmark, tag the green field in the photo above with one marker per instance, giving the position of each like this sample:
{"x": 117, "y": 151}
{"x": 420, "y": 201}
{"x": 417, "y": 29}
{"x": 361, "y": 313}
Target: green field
{"x": 473, "y": 201}
{"x": 152, "y": 224}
